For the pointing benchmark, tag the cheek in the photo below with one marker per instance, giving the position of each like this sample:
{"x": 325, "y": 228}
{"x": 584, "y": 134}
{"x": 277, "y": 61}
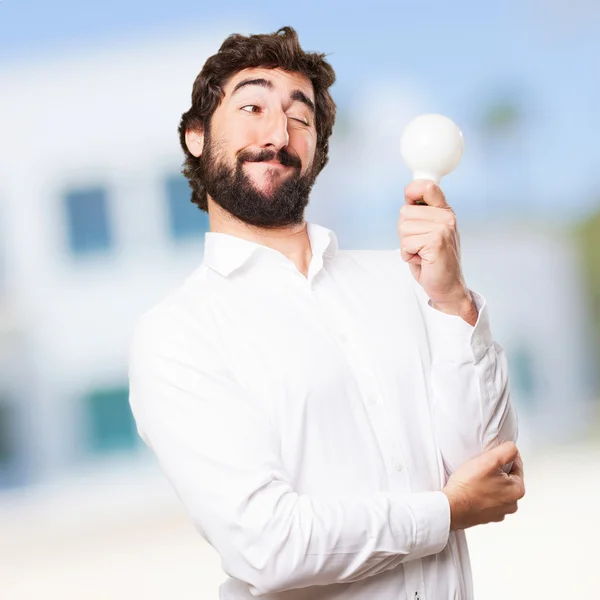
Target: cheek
{"x": 233, "y": 136}
{"x": 244, "y": 134}
{"x": 305, "y": 145}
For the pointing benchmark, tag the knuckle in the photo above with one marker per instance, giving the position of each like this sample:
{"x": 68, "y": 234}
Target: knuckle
{"x": 519, "y": 491}
{"x": 431, "y": 187}
{"x": 445, "y": 231}
{"x": 438, "y": 242}
{"x": 512, "y": 508}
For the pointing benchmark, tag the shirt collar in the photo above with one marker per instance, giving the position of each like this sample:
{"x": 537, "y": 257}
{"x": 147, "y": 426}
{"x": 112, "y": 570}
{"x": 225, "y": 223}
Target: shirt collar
{"x": 225, "y": 253}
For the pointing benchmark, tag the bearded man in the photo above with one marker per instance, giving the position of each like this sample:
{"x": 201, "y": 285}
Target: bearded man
{"x": 332, "y": 420}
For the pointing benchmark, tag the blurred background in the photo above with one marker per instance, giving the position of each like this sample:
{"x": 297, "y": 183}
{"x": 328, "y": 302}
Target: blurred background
{"x": 96, "y": 227}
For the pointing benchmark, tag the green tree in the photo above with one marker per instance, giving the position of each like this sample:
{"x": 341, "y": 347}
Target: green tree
{"x": 588, "y": 236}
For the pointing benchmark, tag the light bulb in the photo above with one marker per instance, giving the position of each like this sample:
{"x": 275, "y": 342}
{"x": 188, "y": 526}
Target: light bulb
{"x": 431, "y": 146}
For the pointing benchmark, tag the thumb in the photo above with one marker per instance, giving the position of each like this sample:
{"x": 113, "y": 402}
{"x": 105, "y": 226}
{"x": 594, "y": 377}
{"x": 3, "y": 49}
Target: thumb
{"x": 504, "y": 453}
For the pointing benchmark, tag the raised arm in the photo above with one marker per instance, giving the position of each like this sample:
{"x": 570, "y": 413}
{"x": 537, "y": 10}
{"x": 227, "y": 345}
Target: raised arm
{"x": 469, "y": 375}
{"x": 470, "y": 390}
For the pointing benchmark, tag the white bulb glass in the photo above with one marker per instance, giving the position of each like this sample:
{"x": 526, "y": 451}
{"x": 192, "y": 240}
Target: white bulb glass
{"x": 431, "y": 146}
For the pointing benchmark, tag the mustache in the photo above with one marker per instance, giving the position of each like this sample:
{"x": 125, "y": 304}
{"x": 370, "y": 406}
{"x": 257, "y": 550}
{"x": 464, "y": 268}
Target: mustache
{"x": 283, "y": 157}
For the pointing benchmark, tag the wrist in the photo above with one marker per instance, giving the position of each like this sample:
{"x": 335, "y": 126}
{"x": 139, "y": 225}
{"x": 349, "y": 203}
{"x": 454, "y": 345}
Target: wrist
{"x": 458, "y": 506}
{"x": 462, "y": 306}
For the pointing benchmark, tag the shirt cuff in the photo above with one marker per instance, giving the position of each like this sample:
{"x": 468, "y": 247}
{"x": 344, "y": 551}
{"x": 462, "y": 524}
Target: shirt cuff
{"x": 431, "y": 511}
{"x": 453, "y": 339}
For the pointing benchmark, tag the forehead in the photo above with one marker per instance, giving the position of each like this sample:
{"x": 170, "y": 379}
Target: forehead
{"x": 281, "y": 80}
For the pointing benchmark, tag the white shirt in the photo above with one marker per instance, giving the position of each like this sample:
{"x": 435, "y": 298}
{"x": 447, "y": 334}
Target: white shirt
{"x": 308, "y": 424}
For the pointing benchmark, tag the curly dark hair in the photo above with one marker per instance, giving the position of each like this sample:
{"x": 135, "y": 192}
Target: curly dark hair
{"x": 276, "y": 50}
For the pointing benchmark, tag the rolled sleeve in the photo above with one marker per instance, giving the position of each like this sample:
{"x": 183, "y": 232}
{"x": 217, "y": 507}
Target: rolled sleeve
{"x": 453, "y": 339}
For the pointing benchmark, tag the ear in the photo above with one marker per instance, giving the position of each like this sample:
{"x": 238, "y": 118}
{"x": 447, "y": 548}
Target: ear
{"x": 194, "y": 140}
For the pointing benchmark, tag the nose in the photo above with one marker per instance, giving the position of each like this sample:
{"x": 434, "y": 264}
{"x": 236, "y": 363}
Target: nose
{"x": 276, "y": 134}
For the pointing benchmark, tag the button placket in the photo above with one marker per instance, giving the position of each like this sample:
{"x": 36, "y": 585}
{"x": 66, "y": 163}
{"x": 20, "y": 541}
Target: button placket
{"x": 367, "y": 383}
{"x": 413, "y": 572}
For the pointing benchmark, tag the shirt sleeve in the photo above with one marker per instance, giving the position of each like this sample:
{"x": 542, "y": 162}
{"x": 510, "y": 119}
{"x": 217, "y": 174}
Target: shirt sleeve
{"x": 470, "y": 390}
{"x": 221, "y": 456}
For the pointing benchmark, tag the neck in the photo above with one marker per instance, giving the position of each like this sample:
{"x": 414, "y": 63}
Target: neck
{"x": 292, "y": 241}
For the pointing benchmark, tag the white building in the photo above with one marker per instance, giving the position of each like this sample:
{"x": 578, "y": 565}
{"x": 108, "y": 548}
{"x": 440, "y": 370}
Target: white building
{"x": 96, "y": 226}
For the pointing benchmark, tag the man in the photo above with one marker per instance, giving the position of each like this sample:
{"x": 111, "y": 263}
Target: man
{"x": 332, "y": 420}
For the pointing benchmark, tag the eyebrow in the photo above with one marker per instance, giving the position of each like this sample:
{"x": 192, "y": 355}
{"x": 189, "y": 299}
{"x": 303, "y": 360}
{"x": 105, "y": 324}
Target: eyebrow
{"x": 296, "y": 95}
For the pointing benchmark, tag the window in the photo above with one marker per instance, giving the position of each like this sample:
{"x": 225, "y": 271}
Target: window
{"x": 7, "y": 446}
{"x": 12, "y": 471}
{"x": 186, "y": 220}
{"x": 110, "y": 422}
{"x": 88, "y": 220}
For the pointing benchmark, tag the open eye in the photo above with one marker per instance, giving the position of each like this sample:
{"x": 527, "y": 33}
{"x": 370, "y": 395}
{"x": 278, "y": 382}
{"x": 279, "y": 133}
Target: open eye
{"x": 251, "y": 107}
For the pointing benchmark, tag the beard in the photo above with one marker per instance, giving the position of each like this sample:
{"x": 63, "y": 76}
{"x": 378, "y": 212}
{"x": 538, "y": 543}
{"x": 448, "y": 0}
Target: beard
{"x": 281, "y": 204}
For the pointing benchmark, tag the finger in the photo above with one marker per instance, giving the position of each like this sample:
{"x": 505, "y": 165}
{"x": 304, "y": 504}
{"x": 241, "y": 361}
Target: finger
{"x": 499, "y": 456}
{"x": 428, "y": 191}
{"x": 425, "y": 213}
{"x": 512, "y": 508}
{"x": 493, "y": 515}
{"x": 517, "y": 467}
{"x": 416, "y": 227}
{"x": 415, "y": 190}
{"x": 505, "y": 453}
{"x": 516, "y": 477}
{"x": 518, "y": 487}
{"x": 411, "y": 258}
{"x": 411, "y": 245}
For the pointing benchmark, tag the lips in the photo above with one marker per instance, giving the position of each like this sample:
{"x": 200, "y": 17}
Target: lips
{"x": 271, "y": 163}
{"x": 283, "y": 158}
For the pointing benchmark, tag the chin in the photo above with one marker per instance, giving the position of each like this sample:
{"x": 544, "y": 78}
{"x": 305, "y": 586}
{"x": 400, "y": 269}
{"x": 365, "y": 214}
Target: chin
{"x": 266, "y": 185}
{"x": 267, "y": 191}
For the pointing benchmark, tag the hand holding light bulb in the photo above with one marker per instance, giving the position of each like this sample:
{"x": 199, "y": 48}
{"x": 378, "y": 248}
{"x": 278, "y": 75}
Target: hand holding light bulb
{"x": 431, "y": 147}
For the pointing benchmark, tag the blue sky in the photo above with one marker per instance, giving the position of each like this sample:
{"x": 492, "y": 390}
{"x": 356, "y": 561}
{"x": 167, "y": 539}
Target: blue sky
{"x": 461, "y": 54}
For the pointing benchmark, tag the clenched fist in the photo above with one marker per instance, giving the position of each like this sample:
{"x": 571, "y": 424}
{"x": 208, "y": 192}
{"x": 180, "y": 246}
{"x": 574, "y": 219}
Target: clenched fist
{"x": 480, "y": 491}
{"x": 430, "y": 244}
